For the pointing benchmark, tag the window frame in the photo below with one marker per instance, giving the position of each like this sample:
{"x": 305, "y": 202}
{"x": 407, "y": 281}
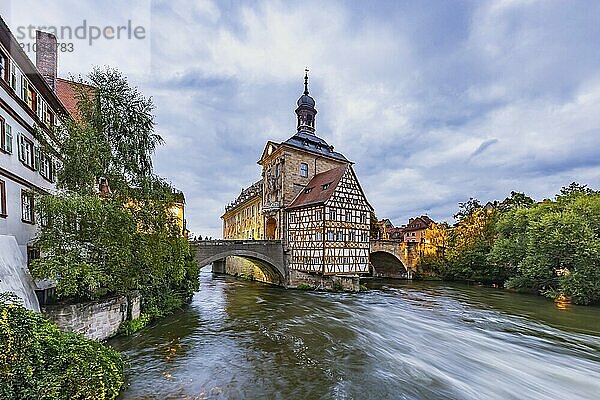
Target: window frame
{"x": 6, "y": 138}
{"x": 4, "y": 66}
{"x": 24, "y": 88}
{"x": 13, "y": 81}
{"x": 46, "y": 165}
{"x": 2, "y": 131}
{"x": 23, "y": 141}
{"x": 3, "y": 210}
{"x": 26, "y": 194}
{"x": 303, "y": 170}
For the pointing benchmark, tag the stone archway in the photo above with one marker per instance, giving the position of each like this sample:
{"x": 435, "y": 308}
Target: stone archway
{"x": 271, "y": 228}
{"x": 386, "y": 264}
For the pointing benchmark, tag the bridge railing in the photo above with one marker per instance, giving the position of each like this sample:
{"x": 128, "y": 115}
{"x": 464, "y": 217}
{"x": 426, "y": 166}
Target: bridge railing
{"x": 225, "y": 242}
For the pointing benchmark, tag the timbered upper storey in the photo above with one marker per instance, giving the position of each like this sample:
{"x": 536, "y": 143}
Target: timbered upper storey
{"x": 329, "y": 223}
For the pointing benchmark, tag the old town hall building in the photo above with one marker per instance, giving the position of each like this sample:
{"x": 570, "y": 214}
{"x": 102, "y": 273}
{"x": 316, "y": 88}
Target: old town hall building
{"x": 310, "y": 198}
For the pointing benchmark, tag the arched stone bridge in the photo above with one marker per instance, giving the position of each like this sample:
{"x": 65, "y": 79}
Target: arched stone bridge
{"x": 389, "y": 258}
{"x": 268, "y": 253}
{"x": 393, "y": 258}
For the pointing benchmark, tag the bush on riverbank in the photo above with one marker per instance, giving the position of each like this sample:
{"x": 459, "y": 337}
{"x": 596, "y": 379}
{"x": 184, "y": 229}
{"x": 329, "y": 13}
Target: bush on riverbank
{"x": 551, "y": 247}
{"x": 93, "y": 247}
{"x": 37, "y": 361}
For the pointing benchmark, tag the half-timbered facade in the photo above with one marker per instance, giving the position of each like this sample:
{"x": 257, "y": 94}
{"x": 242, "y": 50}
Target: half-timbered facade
{"x": 329, "y": 224}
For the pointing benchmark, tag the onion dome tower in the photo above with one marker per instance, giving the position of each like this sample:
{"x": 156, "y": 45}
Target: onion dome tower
{"x": 306, "y": 111}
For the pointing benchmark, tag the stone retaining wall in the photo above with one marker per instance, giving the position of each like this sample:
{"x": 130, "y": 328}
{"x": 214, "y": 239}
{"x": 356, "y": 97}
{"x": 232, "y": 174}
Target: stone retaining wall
{"x": 98, "y": 319}
{"x": 347, "y": 283}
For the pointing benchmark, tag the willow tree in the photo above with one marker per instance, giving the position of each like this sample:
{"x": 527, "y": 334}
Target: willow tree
{"x": 112, "y": 136}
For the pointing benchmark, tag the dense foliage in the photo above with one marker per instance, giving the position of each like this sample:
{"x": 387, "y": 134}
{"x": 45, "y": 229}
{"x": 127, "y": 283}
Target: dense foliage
{"x": 37, "y": 361}
{"x": 551, "y": 247}
{"x": 120, "y": 240}
{"x": 112, "y": 137}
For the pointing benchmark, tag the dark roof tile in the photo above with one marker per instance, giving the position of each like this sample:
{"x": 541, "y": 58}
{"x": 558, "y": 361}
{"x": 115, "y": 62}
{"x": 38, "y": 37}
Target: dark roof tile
{"x": 320, "y": 188}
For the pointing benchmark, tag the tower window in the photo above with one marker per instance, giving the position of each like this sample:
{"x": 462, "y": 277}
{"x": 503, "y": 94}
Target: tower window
{"x": 304, "y": 170}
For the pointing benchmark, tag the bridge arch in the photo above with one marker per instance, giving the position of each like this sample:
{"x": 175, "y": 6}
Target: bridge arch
{"x": 387, "y": 263}
{"x": 264, "y": 263}
{"x": 267, "y": 256}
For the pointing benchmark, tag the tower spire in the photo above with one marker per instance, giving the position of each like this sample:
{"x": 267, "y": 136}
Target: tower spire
{"x": 306, "y": 81}
{"x": 306, "y": 111}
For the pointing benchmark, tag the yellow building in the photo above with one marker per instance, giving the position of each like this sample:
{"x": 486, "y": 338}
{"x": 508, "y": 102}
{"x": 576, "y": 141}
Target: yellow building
{"x": 178, "y": 211}
{"x": 242, "y": 218}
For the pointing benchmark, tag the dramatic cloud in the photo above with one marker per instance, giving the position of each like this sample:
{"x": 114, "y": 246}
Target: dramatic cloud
{"x": 434, "y": 101}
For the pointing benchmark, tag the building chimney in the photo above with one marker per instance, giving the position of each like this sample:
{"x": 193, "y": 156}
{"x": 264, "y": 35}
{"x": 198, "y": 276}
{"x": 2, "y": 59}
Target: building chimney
{"x": 46, "y": 57}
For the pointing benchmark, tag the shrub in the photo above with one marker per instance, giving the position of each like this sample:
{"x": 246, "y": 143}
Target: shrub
{"x": 304, "y": 286}
{"x": 37, "y": 361}
{"x": 132, "y": 326}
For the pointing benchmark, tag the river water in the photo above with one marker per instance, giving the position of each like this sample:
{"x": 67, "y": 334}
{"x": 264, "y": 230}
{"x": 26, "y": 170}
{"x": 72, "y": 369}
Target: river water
{"x": 399, "y": 340}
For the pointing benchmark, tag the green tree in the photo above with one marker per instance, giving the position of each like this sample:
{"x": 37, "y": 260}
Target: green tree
{"x": 554, "y": 247}
{"x": 470, "y": 243}
{"x": 127, "y": 240}
{"x": 113, "y": 136}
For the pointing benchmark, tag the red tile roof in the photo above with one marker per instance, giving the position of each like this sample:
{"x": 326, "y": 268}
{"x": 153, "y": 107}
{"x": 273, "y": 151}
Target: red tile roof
{"x": 314, "y": 192}
{"x": 68, "y": 92}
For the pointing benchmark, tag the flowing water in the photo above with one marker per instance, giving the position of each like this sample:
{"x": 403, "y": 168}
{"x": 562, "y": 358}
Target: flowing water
{"x": 399, "y": 340}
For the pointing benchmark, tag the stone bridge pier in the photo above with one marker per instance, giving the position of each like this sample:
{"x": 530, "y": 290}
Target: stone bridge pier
{"x": 393, "y": 258}
{"x": 262, "y": 260}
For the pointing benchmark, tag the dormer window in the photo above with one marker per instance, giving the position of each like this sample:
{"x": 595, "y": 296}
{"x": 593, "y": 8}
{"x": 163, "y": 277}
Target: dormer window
{"x": 308, "y": 190}
{"x": 325, "y": 186}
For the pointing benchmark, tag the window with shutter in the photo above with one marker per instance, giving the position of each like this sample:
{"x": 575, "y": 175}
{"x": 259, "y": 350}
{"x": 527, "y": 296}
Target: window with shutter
{"x": 25, "y": 147}
{"x": 37, "y": 158}
{"x": 24, "y": 88}
{"x": 2, "y": 199}
{"x": 7, "y": 144}
{"x": 3, "y": 66}
{"x": 2, "y": 133}
{"x": 20, "y": 145}
{"x": 27, "y": 206}
{"x": 13, "y": 76}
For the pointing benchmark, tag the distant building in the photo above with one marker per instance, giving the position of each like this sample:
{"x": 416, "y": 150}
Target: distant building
{"x": 414, "y": 231}
{"x": 309, "y": 197}
{"x": 387, "y": 231}
{"x": 242, "y": 218}
{"x": 28, "y": 105}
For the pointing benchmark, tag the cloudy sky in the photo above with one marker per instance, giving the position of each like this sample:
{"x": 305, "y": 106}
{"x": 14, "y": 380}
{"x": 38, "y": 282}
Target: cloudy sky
{"x": 435, "y": 101}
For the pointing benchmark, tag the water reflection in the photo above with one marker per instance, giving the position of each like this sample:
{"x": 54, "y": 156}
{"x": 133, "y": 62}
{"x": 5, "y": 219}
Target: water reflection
{"x": 398, "y": 341}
